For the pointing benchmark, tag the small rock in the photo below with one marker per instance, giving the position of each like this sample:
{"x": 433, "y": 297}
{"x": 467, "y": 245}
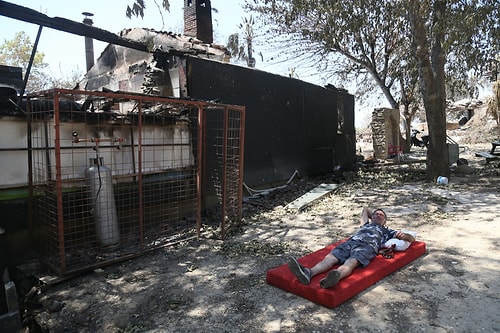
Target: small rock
{"x": 54, "y": 305}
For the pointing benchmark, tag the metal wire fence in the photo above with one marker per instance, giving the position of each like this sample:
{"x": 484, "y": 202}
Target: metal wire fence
{"x": 115, "y": 175}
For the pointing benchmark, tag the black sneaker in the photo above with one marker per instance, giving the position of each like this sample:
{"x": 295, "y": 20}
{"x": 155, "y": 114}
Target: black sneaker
{"x": 331, "y": 279}
{"x": 302, "y": 273}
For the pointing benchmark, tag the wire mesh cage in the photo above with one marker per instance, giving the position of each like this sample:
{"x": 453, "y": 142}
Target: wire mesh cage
{"x": 223, "y": 163}
{"x": 115, "y": 175}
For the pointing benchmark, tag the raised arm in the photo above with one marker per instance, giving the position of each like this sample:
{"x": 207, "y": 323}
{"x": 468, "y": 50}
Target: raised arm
{"x": 366, "y": 215}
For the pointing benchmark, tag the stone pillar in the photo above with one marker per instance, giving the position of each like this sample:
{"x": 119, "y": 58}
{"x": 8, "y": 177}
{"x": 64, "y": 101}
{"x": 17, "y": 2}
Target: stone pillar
{"x": 385, "y": 131}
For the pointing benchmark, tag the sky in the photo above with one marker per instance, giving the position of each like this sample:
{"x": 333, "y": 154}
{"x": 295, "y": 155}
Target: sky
{"x": 66, "y": 52}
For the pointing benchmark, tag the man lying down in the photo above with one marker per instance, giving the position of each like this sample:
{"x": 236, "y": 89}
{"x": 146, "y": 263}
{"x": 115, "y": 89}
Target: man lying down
{"x": 358, "y": 250}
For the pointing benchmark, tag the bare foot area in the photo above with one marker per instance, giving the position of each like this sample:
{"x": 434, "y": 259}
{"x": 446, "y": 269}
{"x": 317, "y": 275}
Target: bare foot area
{"x": 209, "y": 285}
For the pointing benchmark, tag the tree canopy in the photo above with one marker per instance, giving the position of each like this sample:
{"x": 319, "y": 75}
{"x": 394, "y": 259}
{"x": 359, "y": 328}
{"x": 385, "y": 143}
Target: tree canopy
{"x": 17, "y": 52}
{"x": 138, "y": 6}
{"x": 237, "y": 48}
{"x": 408, "y": 48}
{"x": 372, "y": 38}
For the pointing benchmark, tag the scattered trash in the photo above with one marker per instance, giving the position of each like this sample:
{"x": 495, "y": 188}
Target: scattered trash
{"x": 441, "y": 180}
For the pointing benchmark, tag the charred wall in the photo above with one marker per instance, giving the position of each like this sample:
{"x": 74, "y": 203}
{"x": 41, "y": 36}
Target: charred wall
{"x": 290, "y": 124}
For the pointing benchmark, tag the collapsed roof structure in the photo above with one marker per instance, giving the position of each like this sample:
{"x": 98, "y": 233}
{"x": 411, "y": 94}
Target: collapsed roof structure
{"x": 174, "y": 118}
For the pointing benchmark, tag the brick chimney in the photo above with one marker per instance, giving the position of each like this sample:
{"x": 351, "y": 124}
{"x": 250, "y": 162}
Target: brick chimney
{"x": 198, "y": 20}
{"x": 89, "y": 43}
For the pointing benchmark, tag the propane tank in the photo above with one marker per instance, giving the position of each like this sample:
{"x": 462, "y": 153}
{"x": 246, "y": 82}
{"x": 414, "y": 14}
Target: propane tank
{"x": 102, "y": 201}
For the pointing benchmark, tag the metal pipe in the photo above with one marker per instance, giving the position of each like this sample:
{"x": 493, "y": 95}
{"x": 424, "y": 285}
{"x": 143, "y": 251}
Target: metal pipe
{"x": 224, "y": 172}
{"x": 241, "y": 161}
{"x": 201, "y": 167}
{"x": 29, "y": 144}
{"x": 31, "y": 16}
{"x": 59, "y": 190}
{"x": 139, "y": 169}
{"x": 28, "y": 69}
{"x": 89, "y": 42}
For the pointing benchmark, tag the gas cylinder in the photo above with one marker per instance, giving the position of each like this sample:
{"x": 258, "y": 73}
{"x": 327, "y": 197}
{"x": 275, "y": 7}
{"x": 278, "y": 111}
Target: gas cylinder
{"x": 102, "y": 201}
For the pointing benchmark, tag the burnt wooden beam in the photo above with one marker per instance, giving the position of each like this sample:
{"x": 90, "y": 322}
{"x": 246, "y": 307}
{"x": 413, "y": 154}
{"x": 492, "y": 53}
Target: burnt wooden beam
{"x": 32, "y": 16}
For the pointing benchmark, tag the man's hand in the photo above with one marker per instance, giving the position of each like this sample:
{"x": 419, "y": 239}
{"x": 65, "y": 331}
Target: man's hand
{"x": 404, "y": 236}
{"x": 387, "y": 252}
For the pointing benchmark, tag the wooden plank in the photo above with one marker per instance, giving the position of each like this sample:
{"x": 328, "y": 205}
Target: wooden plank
{"x": 31, "y": 16}
{"x": 311, "y": 196}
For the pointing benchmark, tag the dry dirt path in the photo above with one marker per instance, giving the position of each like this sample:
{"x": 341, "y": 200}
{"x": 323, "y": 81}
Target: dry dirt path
{"x": 212, "y": 286}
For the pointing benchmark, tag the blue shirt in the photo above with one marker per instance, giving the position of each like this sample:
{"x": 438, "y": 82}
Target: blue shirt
{"x": 374, "y": 234}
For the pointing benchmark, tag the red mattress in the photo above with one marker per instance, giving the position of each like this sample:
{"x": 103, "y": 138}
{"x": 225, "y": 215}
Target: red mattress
{"x": 359, "y": 280}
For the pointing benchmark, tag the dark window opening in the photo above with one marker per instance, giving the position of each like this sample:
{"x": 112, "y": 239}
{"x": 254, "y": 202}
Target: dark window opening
{"x": 340, "y": 115}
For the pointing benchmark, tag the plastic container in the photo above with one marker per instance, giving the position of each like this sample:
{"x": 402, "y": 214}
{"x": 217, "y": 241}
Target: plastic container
{"x": 441, "y": 180}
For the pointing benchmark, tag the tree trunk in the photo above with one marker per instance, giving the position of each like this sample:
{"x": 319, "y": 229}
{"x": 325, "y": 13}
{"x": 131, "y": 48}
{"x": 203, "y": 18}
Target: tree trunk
{"x": 251, "y": 59}
{"x": 407, "y": 123}
{"x": 431, "y": 72}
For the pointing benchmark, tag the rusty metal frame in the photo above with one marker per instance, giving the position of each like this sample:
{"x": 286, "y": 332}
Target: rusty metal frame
{"x": 228, "y": 187}
{"x": 231, "y": 178}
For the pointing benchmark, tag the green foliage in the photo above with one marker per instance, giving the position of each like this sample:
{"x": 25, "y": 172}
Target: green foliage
{"x": 404, "y": 46}
{"x": 348, "y": 40}
{"x": 238, "y": 49}
{"x": 360, "y": 39}
{"x": 137, "y": 8}
{"x": 233, "y": 45}
{"x": 17, "y": 52}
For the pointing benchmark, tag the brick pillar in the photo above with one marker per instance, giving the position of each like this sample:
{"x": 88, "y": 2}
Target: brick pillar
{"x": 198, "y": 20}
{"x": 385, "y": 131}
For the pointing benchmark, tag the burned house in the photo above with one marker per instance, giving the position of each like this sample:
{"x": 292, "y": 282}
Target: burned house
{"x": 289, "y": 125}
{"x": 161, "y": 129}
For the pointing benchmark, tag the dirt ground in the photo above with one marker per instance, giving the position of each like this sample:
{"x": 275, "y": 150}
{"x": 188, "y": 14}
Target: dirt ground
{"x": 209, "y": 285}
